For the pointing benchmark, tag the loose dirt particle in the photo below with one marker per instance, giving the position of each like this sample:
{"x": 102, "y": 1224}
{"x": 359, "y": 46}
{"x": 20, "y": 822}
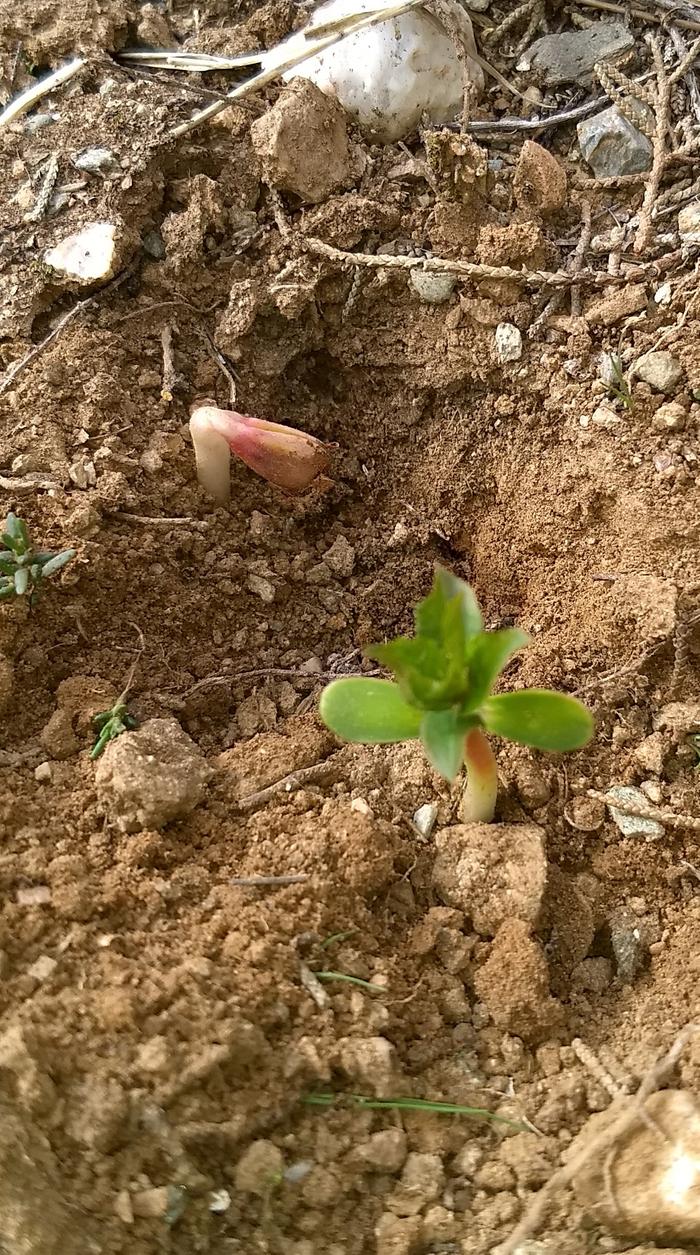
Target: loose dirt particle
{"x": 492, "y": 872}
{"x": 514, "y": 983}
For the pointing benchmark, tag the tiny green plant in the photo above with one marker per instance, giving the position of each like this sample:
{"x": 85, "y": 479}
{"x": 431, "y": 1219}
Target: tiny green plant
{"x": 442, "y": 696}
{"x": 22, "y": 567}
{"x": 110, "y": 724}
{"x": 619, "y": 388}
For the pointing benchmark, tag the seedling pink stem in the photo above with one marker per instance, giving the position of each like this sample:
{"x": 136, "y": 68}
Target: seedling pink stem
{"x": 479, "y": 797}
{"x": 284, "y": 456}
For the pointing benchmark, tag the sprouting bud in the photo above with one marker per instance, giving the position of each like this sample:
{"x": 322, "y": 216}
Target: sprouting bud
{"x": 284, "y": 456}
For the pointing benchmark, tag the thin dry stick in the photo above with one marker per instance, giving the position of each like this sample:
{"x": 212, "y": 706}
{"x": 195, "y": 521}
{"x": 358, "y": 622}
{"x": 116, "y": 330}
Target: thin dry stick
{"x": 169, "y": 373}
{"x": 592, "y": 1064}
{"x": 60, "y": 327}
{"x": 595, "y": 1146}
{"x": 198, "y": 525}
{"x": 682, "y": 637}
{"x": 27, "y": 99}
{"x": 576, "y": 259}
{"x": 668, "y": 819}
{"x": 468, "y": 269}
{"x": 262, "y": 882}
{"x": 317, "y": 773}
{"x": 606, "y": 6}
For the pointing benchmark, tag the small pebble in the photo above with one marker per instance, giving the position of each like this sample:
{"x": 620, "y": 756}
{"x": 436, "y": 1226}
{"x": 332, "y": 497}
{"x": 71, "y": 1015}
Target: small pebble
{"x": 660, "y": 370}
{"x": 633, "y": 825}
{"x": 35, "y": 895}
{"x": 509, "y": 342}
{"x": 424, "y": 818}
{"x": 219, "y": 1201}
{"x": 42, "y": 773}
{"x": 434, "y": 289}
{"x": 42, "y": 968}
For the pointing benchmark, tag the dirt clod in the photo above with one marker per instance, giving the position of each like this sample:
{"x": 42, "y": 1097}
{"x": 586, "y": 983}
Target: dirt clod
{"x": 304, "y": 145}
{"x": 492, "y": 872}
{"x": 145, "y": 779}
{"x": 540, "y": 181}
{"x": 514, "y": 983}
{"x": 260, "y": 1168}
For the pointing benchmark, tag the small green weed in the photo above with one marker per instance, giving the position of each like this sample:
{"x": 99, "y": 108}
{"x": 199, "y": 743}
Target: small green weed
{"x": 22, "y": 567}
{"x": 350, "y": 980}
{"x": 110, "y": 724}
{"x": 442, "y": 696}
{"x": 620, "y": 390}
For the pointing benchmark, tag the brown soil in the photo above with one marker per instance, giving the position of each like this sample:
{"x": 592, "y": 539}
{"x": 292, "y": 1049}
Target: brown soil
{"x": 170, "y": 1030}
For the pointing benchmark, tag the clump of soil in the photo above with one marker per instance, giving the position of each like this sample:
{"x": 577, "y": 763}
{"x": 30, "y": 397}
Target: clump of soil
{"x": 161, "y": 1026}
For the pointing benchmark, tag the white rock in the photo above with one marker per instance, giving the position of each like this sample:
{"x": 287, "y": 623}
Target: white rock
{"x": 646, "y": 1185}
{"x": 432, "y": 288}
{"x": 509, "y": 342}
{"x": 219, "y": 1201}
{"x": 87, "y": 255}
{"x": 633, "y": 825}
{"x": 603, "y": 416}
{"x": 424, "y": 818}
{"x": 42, "y": 968}
{"x": 689, "y": 223}
{"x": 660, "y": 370}
{"x": 662, "y": 295}
{"x": 390, "y": 75}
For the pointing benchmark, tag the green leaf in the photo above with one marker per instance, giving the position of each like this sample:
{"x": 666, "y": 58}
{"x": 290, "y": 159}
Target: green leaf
{"x": 370, "y": 711}
{"x": 59, "y": 560}
{"x": 487, "y": 655}
{"x": 16, "y": 533}
{"x": 428, "y": 676}
{"x": 442, "y": 736}
{"x": 447, "y": 588}
{"x": 21, "y": 581}
{"x": 540, "y": 718}
{"x": 7, "y": 590}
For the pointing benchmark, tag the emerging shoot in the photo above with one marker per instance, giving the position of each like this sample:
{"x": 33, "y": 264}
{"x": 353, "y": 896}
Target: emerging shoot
{"x": 284, "y": 456}
{"x": 110, "y": 724}
{"x": 22, "y": 568}
{"x": 442, "y": 696}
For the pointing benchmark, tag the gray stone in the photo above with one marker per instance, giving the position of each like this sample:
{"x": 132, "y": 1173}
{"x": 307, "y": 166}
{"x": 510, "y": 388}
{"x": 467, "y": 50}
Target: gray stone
{"x": 571, "y": 56}
{"x": 509, "y": 342}
{"x": 660, "y": 370}
{"x": 433, "y": 288}
{"x": 633, "y": 825}
{"x": 613, "y": 146}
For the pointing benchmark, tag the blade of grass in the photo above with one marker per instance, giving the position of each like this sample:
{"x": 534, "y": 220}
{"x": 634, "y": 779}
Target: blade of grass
{"x": 407, "y": 1104}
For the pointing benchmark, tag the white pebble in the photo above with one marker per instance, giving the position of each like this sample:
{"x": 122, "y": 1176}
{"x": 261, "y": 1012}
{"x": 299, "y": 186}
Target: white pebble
{"x": 509, "y": 342}
{"x": 432, "y": 288}
{"x": 87, "y": 255}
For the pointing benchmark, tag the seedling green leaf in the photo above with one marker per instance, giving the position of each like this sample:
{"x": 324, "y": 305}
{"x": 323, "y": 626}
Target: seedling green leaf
{"x": 23, "y": 568}
{"x": 445, "y": 675}
{"x": 536, "y": 717}
{"x": 442, "y": 736}
{"x": 370, "y": 711}
{"x": 110, "y": 724}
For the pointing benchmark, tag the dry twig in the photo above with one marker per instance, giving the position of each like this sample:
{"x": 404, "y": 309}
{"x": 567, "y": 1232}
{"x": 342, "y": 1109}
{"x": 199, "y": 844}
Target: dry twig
{"x": 45, "y": 191}
{"x": 27, "y": 99}
{"x": 264, "y": 882}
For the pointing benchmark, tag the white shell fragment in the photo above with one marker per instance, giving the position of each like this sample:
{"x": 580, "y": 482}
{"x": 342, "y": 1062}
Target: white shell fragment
{"x": 390, "y": 75}
{"x": 87, "y": 255}
{"x": 509, "y": 342}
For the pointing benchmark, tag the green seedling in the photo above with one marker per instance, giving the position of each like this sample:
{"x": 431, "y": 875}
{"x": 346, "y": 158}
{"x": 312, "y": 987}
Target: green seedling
{"x": 110, "y": 724}
{"x": 406, "y": 1104}
{"x": 619, "y": 388}
{"x": 443, "y": 696}
{"x": 22, "y": 567}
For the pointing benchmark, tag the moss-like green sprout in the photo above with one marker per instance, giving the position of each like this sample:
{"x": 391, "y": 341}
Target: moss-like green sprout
{"x": 22, "y": 567}
{"x": 443, "y": 696}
